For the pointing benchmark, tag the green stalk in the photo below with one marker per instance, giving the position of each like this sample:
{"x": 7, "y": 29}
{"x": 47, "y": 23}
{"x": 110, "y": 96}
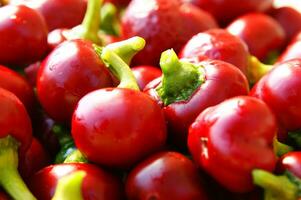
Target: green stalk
{"x": 76, "y": 157}
{"x": 10, "y": 179}
{"x": 256, "y": 70}
{"x": 280, "y": 148}
{"x": 180, "y": 79}
{"x": 275, "y": 187}
{"x": 90, "y": 26}
{"x": 69, "y": 187}
{"x": 109, "y": 20}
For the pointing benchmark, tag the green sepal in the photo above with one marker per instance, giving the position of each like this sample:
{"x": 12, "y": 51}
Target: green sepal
{"x": 281, "y": 148}
{"x": 180, "y": 79}
{"x": 76, "y": 157}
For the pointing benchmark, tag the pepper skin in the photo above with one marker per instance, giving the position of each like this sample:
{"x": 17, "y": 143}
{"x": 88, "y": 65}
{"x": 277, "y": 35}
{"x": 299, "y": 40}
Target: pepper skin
{"x": 293, "y": 50}
{"x": 260, "y": 32}
{"x": 166, "y": 175}
{"x": 224, "y": 11}
{"x": 23, "y": 35}
{"x": 15, "y": 83}
{"x": 292, "y": 162}
{"x": 163, "y": 24}
{"x": 145, "y": 74}
{"x": 222, "y": 81}
{"x": 67, "y": 74}
{"x": 217, "y": 44}
{"x": 97, "y": 184}
{"x": 280, "y": 89}
{"x": 231, "y": 139}
{"x": 118, "y": 127}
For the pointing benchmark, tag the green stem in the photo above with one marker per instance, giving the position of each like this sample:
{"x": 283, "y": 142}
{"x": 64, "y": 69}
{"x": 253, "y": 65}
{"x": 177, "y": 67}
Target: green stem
{"x": 127, "y": 49}
{"x": 90, "y": 26}
{"x": 109, "y": 20}
{"x": 180, "y": 79}
{"x": 69, "y": 187}
{"x": 256, "y": 69}
{"x": 280, "y": 148}
{"x": 275, "y": 187}
{"x": 76, "y": 157}
{"x": 10, "y": 179}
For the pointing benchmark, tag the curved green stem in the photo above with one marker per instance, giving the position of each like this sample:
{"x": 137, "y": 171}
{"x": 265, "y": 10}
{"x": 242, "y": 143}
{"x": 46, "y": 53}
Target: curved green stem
{"x": 69, "y": 187}
{"x": 10, "y": 179}
{"x": 256, "y": 69}
{"x": 180, "y": 79}
{"x": 109, "y": 20}
{"x": 275, "y": 187}
{"x": 90, "y": 26}
{"x": 280, "y": 148}
{"x": 76, "y": 157}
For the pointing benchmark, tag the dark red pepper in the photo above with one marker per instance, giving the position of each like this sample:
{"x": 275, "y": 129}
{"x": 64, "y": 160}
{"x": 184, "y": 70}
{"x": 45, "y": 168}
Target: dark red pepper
{"x": 23, "y": 35}
{"x": 231, "y": 139}
{"x": 96, "y": 184}
{"x": 187, "y": 89}
{"x": 166, "y": 175}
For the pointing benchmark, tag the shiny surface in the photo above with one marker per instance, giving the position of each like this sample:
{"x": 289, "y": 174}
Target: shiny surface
{"x": 226, "y": 10}
{"x": 293, "y": 50}
{"x": 15, "y": 83}
{"x": 145, "y": 74}
{"x": 118, "y": 127}
{"x": 97, "y": 184}
{"x": 260, "y": 32}
{"x": 23, "y": 35}
{"x": 222, "y": 81}
{"x": 280, "y": 89}
{"x": 217, "y": 44}
{"x": 291, "y": 162}
{"x": 231, "y": 139}
{"x": 163, "y": 24}
{"x": 14, "y": 120}
{"x": 167, "y": 175}
{"x": 67, "y": 74}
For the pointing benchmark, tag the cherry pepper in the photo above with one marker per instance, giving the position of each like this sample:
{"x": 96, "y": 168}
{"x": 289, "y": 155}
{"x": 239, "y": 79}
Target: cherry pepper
{"x": 118, "y": 127}
{"x": 165, "y": 175}
{"x": 95, "y": 184}
{"x": 231, "y": 139}
{"x": 285, "y": 186}
{"x": 186, "y": 89}
{"x": 15, "y": 139}
{"x": 145, "y": 74}
{"x": 293, "y": 50}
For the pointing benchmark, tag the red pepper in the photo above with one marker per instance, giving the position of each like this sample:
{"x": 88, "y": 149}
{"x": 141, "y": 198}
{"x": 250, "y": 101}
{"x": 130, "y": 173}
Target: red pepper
{"x": 164, "y": 24}
{"x": 96, "y": 184}
{"x": 231, "y": 139}
{"x": 260, "y": 32}
{"x": 187, "y": 89}
{"x": 118, "y": 127}
{"x": 23, "y": 35}
{"x": 292, "y": 50}
{"x": 145, "y": 74}
{"x": 166, "y": 175}
{"x": 15, "y": 139}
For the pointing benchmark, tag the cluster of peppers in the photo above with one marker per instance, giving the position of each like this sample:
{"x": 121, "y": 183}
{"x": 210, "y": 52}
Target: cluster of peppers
{"x": 115, "y": 132}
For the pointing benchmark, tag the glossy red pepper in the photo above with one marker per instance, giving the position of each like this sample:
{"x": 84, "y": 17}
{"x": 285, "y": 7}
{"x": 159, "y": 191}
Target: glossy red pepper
{"x": 217, "y": 44}
{"x": 220, "y": 81}
{"x": 23, "y": 35}
{"x": 280, "y": 89}
{"x": 97, "y": 184}
{"x": 15, "y": 139}
{"x": 15, "y": 83}
{"x": 231, "y": 139}
{"x": 58, "y": 13}
{"x": 145, "y": 74}
{"x": 67, "y": 74}
{"x": 227, "y": 10}
{"x": 260, "y": 32}
{"x": 291, "y": 162}
{"x": 164, "y": 24}
{"x": 293, "y": 50}
{"x": 119, "y": 3}
{"x": 166, "y": 175}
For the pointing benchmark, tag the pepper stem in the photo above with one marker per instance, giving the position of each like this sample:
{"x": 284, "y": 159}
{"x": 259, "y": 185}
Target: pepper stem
{"x": 76, "y": 157}
{"x": 69, "y": 187}
{"x": 256, "y": 69}
{"x": 109, "y": 20}
{"x": 180, "y": 79}
{"x": 280, "y": 148}
{"x": 276, "y": 187}
{"x": 90, "y": 26}
{"x": 10, "y": 178}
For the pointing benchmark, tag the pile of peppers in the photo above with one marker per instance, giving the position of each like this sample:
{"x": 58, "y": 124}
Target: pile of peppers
{"x": 149, "y": 100}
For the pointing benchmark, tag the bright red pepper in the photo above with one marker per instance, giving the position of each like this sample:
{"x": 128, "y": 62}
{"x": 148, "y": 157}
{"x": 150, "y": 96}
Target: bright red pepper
{"x": 166, "y": 175}
{"x": 97, "y": 184}
{"x": 292, "y": 50}
{"x": 145, "y": 74}
{"x": 231, "y": 139}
